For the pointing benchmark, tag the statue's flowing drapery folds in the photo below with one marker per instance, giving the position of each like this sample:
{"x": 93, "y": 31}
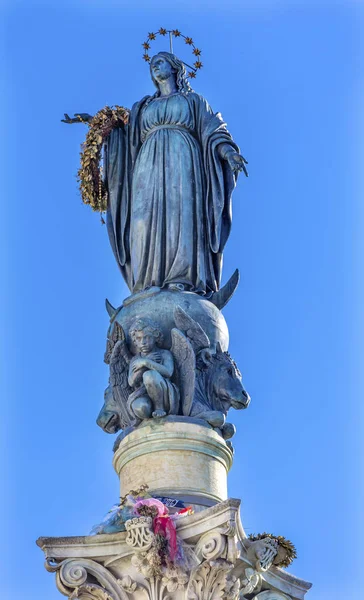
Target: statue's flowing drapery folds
{"x": 169, "y": 191}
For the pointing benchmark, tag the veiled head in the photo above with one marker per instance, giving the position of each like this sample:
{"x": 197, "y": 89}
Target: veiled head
{"x": 165, "y": 64}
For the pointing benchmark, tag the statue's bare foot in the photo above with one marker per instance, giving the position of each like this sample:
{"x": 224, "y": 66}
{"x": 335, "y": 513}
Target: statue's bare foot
{"x": 158, "y": 413}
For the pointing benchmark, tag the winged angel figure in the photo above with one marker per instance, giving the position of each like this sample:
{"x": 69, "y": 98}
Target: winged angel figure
{"x": 150, "y": 382}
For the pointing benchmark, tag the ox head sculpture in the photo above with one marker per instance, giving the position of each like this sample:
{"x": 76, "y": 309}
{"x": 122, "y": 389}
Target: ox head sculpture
{"x": 227, "y": 381}
{"x": 109, "y": 415}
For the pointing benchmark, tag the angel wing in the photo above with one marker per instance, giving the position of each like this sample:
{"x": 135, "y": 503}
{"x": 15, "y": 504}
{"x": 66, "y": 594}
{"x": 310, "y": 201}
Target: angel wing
{"x": 192, "y": 329}
{"x": 118, "y": 356}
{"x": 185, "y": 364}
{"x": 117, "y": 335}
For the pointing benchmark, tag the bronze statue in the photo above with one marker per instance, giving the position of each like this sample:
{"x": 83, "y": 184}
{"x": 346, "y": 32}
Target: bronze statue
{"x": 169, "y": 174}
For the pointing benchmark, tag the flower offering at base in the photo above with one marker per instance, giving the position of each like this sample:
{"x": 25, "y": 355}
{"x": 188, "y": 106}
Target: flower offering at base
{"x": 164, "y": 527}
{"x": 163, "y": 510}
{"x": 115, "y": 518}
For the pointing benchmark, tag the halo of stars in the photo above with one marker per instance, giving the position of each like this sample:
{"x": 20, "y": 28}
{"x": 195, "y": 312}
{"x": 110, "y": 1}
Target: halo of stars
{"x": 176, "y": 34}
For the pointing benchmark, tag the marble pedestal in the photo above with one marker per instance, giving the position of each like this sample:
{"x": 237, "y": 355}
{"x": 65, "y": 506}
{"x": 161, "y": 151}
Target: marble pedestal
{"x": 175, "y": 458}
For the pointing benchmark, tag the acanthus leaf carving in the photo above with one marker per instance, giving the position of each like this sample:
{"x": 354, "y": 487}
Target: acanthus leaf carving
{"x": 157, "y": 587}
{"x": 90, "y": 592}
{"x": 174, "y": 579}
{"x": 211, "y": 581}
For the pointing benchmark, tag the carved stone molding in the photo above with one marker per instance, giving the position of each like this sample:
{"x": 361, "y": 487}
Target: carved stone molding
{"x": 271, "y": 595}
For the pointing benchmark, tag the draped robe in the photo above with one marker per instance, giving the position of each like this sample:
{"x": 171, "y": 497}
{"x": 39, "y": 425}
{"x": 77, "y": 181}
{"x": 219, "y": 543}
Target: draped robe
{"x": 169, "y": 211}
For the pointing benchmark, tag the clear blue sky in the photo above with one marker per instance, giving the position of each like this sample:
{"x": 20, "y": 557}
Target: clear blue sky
{"x": 288, "y": 79}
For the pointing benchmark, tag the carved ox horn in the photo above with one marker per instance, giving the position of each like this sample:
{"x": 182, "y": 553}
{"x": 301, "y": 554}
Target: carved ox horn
{"x": 222, "y": 297}
{"x": 110, "y": 309}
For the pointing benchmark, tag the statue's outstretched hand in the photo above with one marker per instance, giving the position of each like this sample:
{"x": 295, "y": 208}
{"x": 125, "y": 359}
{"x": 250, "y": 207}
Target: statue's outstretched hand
{"x": 237, "y": 162}
{"x": 78, "y": 118}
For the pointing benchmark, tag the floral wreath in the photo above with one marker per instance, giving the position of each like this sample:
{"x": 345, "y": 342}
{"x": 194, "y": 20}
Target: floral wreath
{"x": 175, "y": 33}
{"x": 90, "y": 176}
{"x": 291, "y": 552}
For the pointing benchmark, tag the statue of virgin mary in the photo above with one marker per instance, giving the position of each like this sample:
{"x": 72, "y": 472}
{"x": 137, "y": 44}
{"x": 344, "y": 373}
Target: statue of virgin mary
{"x": 170, "y": 173}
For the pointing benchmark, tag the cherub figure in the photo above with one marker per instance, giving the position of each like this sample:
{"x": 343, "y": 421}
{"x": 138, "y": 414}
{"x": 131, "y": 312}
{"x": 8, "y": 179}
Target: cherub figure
{"x": 150, "y": 372}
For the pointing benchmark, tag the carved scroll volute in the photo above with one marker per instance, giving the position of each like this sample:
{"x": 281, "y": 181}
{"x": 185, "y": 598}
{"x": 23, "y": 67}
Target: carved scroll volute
{"x": 219, "y": 543}
{"x": 211, "y": 546}
{"x": 72, "y": 580}
{"x": 139, "y": 533}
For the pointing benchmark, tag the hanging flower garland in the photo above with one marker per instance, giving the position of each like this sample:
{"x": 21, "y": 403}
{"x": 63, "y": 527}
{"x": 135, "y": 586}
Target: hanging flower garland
{"x": 89, "y": 177}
